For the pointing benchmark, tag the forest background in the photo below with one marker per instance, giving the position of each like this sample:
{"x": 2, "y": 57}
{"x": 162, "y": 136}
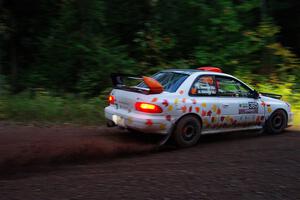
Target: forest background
{"x": 56, "y": 55}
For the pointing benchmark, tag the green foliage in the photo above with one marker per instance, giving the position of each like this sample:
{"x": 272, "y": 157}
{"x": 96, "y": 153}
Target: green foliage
{"x": 72, "y": 46}
{"x": 44, "y": 107}
{"x": 76, "y": 54}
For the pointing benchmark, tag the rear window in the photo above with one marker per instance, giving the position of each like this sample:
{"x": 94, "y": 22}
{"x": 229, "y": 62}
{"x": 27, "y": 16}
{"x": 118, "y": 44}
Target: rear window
{"x": 171, "y": 81}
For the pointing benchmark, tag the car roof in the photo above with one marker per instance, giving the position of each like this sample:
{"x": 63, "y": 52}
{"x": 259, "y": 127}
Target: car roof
{"x": 192, "y": 71}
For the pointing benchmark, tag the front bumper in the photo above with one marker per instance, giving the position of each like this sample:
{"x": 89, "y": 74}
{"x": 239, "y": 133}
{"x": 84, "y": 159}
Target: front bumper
{"x": 145, "y": 123}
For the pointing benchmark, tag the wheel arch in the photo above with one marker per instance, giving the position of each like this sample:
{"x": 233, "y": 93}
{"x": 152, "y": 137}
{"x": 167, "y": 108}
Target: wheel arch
{"x": 189, "y": 114}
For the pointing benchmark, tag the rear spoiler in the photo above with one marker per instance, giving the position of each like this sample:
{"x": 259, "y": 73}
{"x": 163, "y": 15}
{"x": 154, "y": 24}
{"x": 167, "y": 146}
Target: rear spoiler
{"x": 274, "y": 96}
{"x": 118, "y": 78}
{"x": 154, "y": 87}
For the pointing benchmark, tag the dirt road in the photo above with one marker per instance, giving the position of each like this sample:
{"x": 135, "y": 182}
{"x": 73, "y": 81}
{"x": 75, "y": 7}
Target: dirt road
{"x": 99, "y": 163}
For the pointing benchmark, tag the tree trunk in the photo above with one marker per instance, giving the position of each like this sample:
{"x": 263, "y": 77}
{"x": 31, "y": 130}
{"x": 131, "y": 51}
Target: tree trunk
{"x": 263, "y": 9}
{"x": 13, "y": 54}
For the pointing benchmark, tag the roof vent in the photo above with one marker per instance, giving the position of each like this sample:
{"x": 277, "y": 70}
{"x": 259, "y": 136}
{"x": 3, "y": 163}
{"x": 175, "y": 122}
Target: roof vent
{"x": 211, "y": 69}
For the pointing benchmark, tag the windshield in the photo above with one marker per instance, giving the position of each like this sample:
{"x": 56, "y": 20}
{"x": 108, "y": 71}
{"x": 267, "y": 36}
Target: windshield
{"x": 169, "y": 80}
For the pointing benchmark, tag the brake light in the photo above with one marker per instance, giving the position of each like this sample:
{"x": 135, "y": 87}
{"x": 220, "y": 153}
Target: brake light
{"x": 147, "y": 107}
{"x": 111, "y": 99}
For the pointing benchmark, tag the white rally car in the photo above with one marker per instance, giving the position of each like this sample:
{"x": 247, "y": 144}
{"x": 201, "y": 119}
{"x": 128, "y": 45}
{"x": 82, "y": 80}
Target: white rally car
{"x": 187, "y": 103}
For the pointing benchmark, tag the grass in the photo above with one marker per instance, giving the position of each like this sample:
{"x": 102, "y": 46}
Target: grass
{"x": 297, "y": 118}
{"x": 51, "y": 109}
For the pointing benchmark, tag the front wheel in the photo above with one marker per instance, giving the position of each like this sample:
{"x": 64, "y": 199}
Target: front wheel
{"x": 277, "y": 122}
{"x": 187, "y": 131}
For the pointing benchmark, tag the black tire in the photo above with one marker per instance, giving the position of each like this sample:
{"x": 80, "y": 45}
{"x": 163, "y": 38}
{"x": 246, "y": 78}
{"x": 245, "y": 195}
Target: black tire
{"x": 277, "y": 122}
{"x": 187, "y": 131}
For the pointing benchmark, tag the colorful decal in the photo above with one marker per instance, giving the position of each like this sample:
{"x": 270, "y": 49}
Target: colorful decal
{"x": 154, "y": 99}
{"x": 203, "y": 113}
{"x": 248, "y": 108}
{"x": 176, "y": 101}
{"x": 214, "y": 108}
{"x": 170, "y": 108}
{"x": 219, "y": 111}
{"x": 213, "y": 119}
{"x": 165, "y": 103}
{"x": 162, "y": 126}
{"x": 168, "y": 118}
{"x": 269, "y": 109}
{"x": 222, "y": 118}
{"x": 209, "y": 113}
{"x": 194, "y": 101}
{"x": 205, "y": 122}
{"x": 181, "y": 92}
{"x": 227, "y": 119}
{"x": 197, "y": 109}
{"x": 203, "y": 105}
{"x": 183, "y": 100}
{"x": 183, "y": 108}
{"x": 234, "y": 123}
{"x": 258, "y": 121}
{"x": 149, "y": 122}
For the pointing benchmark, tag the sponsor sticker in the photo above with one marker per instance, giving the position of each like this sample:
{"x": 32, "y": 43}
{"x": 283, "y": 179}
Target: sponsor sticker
{"x": 248, "y": 108}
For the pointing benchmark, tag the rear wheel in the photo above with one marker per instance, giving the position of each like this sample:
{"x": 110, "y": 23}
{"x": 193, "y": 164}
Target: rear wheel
{"x": 277, "y": 122}
{"x": 187, "y": 131}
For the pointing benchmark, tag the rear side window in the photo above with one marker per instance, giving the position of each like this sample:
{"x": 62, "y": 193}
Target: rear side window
{"x": 171, "y": 81}
{"x": 204, "y": 86}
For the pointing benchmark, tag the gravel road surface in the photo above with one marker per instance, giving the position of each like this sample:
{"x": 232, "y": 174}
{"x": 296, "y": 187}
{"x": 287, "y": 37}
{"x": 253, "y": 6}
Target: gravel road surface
{"x": 67, "y": 162}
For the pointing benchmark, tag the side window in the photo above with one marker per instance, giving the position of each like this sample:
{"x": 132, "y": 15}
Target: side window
{"x": 204, "y": 86}
{"x": 231, "y": 88}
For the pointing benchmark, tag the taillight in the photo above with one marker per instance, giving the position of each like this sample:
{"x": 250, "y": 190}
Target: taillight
{"x": 147, "y": 107}
{"x": 111, "y": 99}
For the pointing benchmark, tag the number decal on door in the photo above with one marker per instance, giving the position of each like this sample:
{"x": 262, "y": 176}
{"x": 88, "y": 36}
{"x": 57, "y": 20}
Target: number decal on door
{"x": 250, "y": 108}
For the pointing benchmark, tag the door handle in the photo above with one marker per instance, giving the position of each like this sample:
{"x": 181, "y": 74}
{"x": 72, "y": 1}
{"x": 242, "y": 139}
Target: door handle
{"x": 225, "y": 105}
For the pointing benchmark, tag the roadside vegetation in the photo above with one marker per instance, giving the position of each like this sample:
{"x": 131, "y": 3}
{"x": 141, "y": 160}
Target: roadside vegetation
{"x": 42, "y": 107}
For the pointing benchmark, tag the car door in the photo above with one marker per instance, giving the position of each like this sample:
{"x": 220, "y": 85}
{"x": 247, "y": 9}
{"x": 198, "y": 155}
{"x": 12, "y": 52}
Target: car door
{"x": 239, "y": 108}
{"x": 203, "y": 92}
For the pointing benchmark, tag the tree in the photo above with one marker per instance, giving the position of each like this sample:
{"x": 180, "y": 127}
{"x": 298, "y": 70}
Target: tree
{"x": 75, "y": 54}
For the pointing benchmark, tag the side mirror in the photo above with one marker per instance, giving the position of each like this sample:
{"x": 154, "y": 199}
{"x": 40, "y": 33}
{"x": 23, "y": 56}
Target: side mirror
{"x": 255, "y": 94}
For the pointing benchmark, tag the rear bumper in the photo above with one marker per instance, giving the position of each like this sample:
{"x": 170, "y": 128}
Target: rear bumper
{"x": 146, "y": 123}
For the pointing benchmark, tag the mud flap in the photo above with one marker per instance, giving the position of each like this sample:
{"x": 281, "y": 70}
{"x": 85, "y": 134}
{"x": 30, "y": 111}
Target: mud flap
{"x": 166, "y": 138}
